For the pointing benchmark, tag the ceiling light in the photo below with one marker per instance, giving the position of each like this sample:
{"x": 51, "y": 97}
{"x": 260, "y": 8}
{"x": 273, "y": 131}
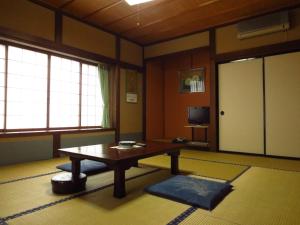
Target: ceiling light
{"x": 134, "y": 2}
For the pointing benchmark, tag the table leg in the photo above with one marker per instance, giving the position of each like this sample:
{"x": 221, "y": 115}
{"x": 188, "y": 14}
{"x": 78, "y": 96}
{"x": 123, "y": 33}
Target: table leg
{"x": 119, "y": 185}
{"x": 174, "y": 162}
{"x": 193, "y": 134}
{"x": 75, "y": 170}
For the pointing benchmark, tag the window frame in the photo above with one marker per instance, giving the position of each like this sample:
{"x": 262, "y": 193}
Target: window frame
{"x": 49, "y": 54}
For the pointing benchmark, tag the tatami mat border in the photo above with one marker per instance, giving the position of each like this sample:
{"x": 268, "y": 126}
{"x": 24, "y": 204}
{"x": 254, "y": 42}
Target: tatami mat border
{"x": 182, "y": 216}
{"x": 240, "y": 174}
{"x": 29, "y": 211}
{"x": 247, "y": 166}
{"x": 207, "y": 215}
{"x": 206, "y": 160}
{"x": 238, "y": 164}
{"x": 29, "y": 177}
{"x": 2, "y": 222}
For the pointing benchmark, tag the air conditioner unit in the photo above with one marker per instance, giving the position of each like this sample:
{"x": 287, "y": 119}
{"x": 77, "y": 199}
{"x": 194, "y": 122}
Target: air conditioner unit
{"x": 263, "y": 25}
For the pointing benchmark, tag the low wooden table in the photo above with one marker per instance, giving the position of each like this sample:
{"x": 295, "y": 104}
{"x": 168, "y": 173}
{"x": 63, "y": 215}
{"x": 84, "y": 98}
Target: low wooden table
{"x": 120, "y": 160}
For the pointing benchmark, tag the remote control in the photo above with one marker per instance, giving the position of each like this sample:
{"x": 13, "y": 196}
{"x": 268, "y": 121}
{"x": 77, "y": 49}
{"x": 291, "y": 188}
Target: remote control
{"x": 141, "y": 144}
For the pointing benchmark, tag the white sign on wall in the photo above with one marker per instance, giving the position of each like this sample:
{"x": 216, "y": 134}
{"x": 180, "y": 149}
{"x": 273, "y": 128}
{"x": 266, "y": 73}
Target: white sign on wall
{"x": 131, "y": 97}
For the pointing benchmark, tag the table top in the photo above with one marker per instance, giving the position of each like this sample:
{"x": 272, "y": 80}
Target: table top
{"x": 109, "y": 154}
{"x": 197, "y": 126}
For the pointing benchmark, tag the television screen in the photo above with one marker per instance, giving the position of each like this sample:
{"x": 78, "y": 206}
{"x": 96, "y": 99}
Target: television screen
{"x": 198, "y": 115}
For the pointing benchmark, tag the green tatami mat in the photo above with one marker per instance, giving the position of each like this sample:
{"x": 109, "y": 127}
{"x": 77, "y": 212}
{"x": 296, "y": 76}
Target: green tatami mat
{"x": 197, "y": 218}
{"x": 137, "y": 208}
{"x": 260, "y": 197}
{"x": 198, "y": 167}
{"x": 22, "y": 170}
{"x": 23, "y": 195}
{"x": 258, "y": 161}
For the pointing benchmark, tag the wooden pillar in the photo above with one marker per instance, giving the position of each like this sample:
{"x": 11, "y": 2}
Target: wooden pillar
{"x": 117, "y": 86}
{"x": 213, "y": 127}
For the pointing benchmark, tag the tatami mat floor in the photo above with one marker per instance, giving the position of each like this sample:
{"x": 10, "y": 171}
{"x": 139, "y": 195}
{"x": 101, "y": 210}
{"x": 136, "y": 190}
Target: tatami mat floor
{"x": 23, "y": 170}
{"x": 266, "y": 192}
{"x": 27, "y": 194}
{"x": 194, "y": 166}
{"x": 261, "y": 197}
{"x": 101, "y": 208}
{"x": 248, "y": 160}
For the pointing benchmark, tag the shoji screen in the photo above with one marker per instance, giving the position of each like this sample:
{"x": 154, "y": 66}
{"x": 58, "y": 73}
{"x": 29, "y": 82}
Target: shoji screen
{"x": 241, "y": 100}
{"x": 282, "y": 85}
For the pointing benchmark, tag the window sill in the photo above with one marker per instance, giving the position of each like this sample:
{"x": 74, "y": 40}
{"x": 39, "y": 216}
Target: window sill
{"x": 53, "y": 132}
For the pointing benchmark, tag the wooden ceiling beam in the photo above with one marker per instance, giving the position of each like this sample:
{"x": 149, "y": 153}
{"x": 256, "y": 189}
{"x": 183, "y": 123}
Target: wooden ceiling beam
{"x": 57, "y": 4}
{"x": 102, "y": 9}
{"x": 66, "y": 4}
{"x": 45, "y": 3}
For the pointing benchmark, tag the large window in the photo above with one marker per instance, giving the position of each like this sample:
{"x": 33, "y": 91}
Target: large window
{"x": 2, "y": 81}
{"x": 64, "y": 92}
{"x": 26, "y": 89}
{"x": 45, "y": 91}
{"x": 92, "y": 104}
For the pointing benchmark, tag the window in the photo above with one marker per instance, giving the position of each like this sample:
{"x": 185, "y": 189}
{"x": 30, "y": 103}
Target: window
{"x": 64, "y": 92}
{"x": 26, "y": 89}
{"x": 43, "y": 91}
{"x": 92, "y": 104}
{"x": 2, "y": 81}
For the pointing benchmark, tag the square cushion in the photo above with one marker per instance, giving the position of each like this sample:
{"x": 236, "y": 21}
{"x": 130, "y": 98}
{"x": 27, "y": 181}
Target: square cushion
{"x": 193, "y": 191}
{"x": 86, "y": 166}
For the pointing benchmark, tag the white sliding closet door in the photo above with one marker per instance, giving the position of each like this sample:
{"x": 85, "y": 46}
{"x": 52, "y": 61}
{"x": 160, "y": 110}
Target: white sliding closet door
{"x": 241, "y": 100}
{"x": 282, "y": 82}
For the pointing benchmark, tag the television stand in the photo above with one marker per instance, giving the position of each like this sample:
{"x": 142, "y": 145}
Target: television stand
{"x": 196, "y": 126}
{"x": 198, "y": 143}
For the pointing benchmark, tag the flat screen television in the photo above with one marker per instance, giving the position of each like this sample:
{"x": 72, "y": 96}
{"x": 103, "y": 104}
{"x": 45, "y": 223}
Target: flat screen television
{"x": 198, "y": 115}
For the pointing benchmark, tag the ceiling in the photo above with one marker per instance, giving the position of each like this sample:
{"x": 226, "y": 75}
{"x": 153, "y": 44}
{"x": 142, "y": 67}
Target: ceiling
{"x": 165, "y": 19}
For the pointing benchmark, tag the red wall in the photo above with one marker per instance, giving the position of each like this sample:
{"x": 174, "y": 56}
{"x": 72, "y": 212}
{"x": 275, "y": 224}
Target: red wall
{"x": 154, "y": 100}
{"x": 174, "y": 104}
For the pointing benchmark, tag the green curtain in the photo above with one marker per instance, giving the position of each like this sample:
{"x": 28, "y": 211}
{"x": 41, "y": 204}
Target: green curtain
{"x": 103, "y": 75}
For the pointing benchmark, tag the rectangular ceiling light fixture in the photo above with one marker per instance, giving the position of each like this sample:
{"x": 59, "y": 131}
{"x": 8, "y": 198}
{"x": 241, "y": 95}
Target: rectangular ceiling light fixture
{"x": 135, "y": 2}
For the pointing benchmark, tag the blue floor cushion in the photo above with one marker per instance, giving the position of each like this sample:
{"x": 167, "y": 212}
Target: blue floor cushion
{"x": 196, "y": 192}
{"x": 86, "y": 166}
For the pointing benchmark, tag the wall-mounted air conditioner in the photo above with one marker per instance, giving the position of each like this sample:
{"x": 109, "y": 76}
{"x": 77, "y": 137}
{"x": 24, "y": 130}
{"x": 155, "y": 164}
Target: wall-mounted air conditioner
{"x": 263, "y": 25}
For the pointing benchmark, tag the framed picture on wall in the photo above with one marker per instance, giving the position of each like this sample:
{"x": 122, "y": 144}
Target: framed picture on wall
{"x": 131, "y": 88}
{"x": 192, "y": 80}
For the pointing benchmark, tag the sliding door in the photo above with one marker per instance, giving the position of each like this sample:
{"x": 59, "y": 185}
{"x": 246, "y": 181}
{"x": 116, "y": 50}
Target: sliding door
{"x": 282, "y": 85}
{"x": 241, "y": 106}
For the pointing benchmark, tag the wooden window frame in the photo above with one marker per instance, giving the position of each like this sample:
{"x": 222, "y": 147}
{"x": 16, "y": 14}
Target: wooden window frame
{"x": 48, "y": 129}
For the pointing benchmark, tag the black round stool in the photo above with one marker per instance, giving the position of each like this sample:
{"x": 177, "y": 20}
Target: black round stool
{"x": 63, "y": 184}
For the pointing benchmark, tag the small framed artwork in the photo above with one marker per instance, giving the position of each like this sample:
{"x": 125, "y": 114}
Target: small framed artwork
{"x": 131, "y": 86}
{"x": 192, "y": 80}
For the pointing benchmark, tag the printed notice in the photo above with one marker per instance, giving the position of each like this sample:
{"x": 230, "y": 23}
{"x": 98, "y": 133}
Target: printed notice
{"x": 130, "y": 97}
